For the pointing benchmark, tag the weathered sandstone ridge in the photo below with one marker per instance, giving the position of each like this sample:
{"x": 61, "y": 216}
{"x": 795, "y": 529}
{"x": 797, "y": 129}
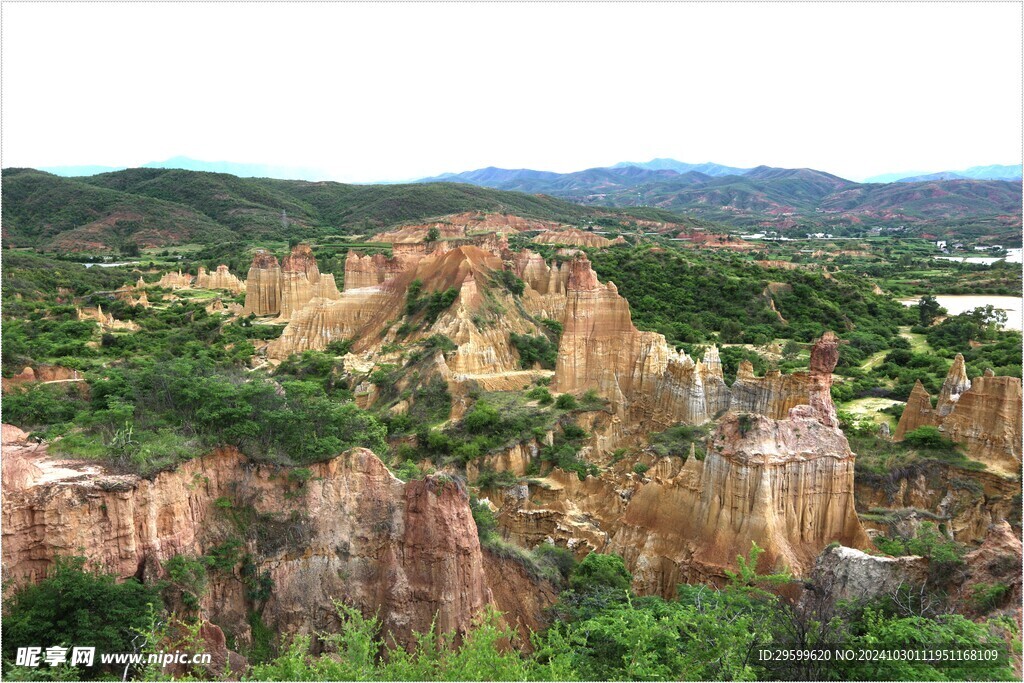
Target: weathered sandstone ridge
{"x": 286, "y": 288}
{"x": 222, "y": 278}
{"x": 351, "y": 532}
{"x": 467, "y": 224}
{"x": 367, "y": 314}
{"x": 982, "y": 415}
{"x": 786, "y": 483}
{"x": 649, "y": 383}
{"x": 177, "y": 280}
{"x": 574, "y": 237}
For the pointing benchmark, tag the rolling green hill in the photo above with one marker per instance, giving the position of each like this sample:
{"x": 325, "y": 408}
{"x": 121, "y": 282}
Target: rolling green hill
{"x": 156, "y": 207}
{"x": 44, "y": 210}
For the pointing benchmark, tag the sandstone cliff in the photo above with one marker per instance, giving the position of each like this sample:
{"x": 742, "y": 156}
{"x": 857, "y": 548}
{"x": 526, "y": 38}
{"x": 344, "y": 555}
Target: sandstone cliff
{"x": 352, "y": 531}
{"x": 783, "y": 481}
{"x": 647, "y": 381}
{"x": 786, "y": 484}
{"x": 981, "y": 415}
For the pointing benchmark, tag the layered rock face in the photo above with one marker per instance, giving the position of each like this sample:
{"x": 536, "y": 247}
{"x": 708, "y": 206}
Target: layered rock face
{"x": 365, "y": 270}
{"x": 219, "y": 279}
{"x": 352, "y": 532}
{"x": 365, "y": 313}
{"x": 301, "y": 281}
{"x": 982, "y": 415}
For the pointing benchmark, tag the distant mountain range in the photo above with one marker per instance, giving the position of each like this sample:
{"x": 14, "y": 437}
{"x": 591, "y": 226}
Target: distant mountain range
{"x": 992, "y": 172}
{"x": 767, "y": 197}
{"x": 158, "y": 204}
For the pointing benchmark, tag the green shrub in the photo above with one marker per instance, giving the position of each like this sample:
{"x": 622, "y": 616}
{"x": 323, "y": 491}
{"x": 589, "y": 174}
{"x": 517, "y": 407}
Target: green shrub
{"x": 927, "y": 437}
{"x": 986, "y": 597}
{"x": 535, "y": 350}
{"x": 566, "y": 402}
{"x": 77, "y": 607}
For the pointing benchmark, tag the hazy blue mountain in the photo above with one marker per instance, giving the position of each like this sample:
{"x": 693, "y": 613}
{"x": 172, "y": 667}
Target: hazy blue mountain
{"x": 991, "y": 172}
{"x": 707, "y": 168}
{"x": 240, "y": 170}
{"x": 78, "y": 171}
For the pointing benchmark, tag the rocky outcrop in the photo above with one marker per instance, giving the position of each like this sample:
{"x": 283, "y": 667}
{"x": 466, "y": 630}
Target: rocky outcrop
{"x": 352, "y": 531}
{"x": 982, "y": 415}
{"x": 365, "y": 314}
{"x": 41, "y": 373}
{"x": 647, "y": 381}
{"x": 177, "y": 280}
{"x": 917, "y": 413}
{"x": 106, "y": 320}
{"x": 785, "y": 484}
{"x": 996, "y": 562}
{"x": 842, "y": 573}
{"x": 263, "y": 285}
{"x": 222, "y": 278}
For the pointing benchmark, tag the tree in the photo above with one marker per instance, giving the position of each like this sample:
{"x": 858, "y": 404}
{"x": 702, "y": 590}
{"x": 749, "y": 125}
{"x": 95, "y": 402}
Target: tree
{"x": 598, "y": 570}
{"x": 433, "y": 235}
{"x": 928, "y": 309}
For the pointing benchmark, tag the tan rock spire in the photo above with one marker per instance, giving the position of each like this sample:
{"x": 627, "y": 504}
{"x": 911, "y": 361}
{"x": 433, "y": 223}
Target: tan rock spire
{"x": 956, "y": 383}
{"x": 263, "y": 285}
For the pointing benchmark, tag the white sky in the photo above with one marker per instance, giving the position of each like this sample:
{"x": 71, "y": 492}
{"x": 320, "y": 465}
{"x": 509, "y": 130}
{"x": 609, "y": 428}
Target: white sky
{"x": 375, "y": 92}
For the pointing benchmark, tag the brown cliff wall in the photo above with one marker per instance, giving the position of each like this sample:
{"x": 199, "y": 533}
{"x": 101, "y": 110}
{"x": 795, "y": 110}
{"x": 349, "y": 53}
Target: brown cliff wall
{"x": 352, "y": 532}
